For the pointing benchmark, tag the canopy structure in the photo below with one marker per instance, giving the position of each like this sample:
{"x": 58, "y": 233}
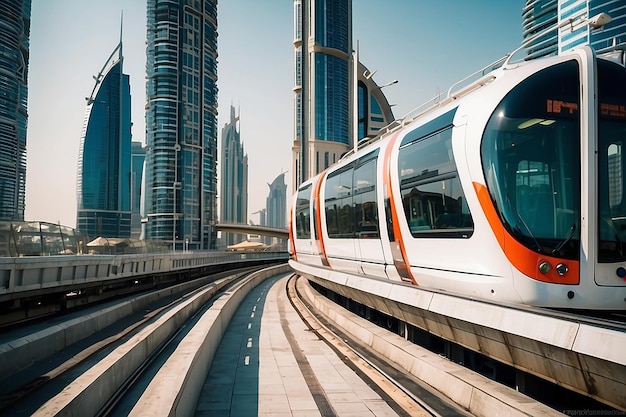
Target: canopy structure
{"x": 101, "y": 241}
{"x": 247, "y": 245}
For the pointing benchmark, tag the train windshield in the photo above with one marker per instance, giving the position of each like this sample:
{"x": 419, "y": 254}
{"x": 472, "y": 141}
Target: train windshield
{"x": 531, "y": 160}
{"x": 611, "y": 141}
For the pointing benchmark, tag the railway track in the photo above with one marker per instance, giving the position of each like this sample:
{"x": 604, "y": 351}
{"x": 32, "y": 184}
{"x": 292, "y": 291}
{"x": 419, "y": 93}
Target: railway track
{"x": 410, "y": 396}
{"x": 165, "y": 354}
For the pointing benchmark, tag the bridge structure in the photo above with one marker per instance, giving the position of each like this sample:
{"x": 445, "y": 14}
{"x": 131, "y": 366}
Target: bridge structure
{"x": 253, "y": 229}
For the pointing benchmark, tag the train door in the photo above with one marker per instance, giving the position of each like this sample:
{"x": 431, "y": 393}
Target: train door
{"x": 368, "y": 248}
{"x": 611, "y": 203}
{"x": 304, "y": 220}
{"x": 336, "y": 196}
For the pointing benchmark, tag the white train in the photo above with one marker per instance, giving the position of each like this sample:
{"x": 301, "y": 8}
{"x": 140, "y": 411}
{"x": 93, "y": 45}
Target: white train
{"x": 512, "y": 189}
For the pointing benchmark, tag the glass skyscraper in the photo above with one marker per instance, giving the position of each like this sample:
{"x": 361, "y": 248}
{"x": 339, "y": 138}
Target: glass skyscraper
{"x": 325, "y": 86}
{"x": 104, "y": 157}
{"x": 276, "y": 203}
{"x": 138, "y": 157}
{"x": 181, "y": 122}
{"x": 234, "y": 178}
{"x": 275, "y": 212}
{"x": 323, "y": 54}
{"x": 539, "y": 15}
{"x": 14, "y": 51}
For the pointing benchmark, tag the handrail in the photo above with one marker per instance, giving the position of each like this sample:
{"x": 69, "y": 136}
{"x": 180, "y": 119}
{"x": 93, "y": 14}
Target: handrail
{"x": 491, "y": 67}
{"x": 613, "y": 48}
{"x": 430, "y": 105}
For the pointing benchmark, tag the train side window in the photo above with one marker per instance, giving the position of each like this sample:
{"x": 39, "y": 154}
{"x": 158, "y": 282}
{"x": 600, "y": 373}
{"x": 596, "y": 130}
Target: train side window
{"x": 338, "y": 203}
{"x": 432, "y": 197}
{"x": 365, "y": 211}
{"x": 350, "y": 200}
{"x": 303, "y": 213}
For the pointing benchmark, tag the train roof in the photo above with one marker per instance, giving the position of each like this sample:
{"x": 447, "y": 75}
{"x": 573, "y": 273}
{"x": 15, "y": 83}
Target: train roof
{"x": 615, "y": 53}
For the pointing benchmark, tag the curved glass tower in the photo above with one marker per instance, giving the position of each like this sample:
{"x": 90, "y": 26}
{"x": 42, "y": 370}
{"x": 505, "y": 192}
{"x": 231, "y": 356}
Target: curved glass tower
{"x": 539, "y": 15}
{"x": 104, "y": 159}
{"x": 14, "y": 47}
{"x": 276, "y": 202}
{"x": 181, "y": 123}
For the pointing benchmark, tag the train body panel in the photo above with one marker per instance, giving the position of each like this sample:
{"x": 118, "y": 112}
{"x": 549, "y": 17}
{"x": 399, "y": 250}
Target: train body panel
{"x": 496, "y": 193}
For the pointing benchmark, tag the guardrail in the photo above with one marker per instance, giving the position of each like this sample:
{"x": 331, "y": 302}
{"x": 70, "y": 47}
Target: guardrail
{"x": 40, "y": 275}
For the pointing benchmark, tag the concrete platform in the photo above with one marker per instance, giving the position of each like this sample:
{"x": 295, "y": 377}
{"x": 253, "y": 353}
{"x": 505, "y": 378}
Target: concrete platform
{"x": 269, "y": 364}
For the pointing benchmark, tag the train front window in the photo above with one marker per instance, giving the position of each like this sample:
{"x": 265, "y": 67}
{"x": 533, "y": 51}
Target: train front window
{"x": 611, "y": 142}
{"x": 531, "y": 161}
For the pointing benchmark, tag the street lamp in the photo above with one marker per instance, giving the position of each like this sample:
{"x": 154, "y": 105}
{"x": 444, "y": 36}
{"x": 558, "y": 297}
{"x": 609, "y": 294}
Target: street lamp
{"x": 380, "y": 87}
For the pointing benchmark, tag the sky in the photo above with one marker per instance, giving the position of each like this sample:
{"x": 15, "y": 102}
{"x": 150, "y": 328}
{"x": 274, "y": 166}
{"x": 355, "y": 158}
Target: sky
{"x": 426, "y": 45}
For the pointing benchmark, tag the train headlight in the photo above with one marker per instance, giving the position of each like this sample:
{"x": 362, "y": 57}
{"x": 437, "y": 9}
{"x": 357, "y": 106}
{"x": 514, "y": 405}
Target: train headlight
{"x": 621, "y": 272}
{"x": 544, "y": 267}
{"x": 562, "y": 269}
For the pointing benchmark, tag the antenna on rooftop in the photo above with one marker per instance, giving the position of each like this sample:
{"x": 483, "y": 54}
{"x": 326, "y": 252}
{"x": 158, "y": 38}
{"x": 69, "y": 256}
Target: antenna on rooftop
{"x": 121, "y": 27}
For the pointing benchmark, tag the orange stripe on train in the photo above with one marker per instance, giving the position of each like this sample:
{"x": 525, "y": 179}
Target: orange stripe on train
{"x": 525, "y": 260}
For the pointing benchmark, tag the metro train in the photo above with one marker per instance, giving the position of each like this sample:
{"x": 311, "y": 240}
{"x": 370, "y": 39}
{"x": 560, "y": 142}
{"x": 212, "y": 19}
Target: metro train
{"x": 510, "y": 189}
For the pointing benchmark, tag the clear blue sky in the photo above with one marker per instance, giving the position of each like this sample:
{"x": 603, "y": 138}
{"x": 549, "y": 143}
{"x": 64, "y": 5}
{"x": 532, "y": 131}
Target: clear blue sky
{"x": 425, "y": 45}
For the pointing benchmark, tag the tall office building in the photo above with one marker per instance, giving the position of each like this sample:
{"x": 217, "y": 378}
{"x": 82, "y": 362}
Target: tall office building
{"x": 323, "y": 53}
{"x": 326, "y": 83}
{"x": 14, "y": 51}
{"x": 181, "y": 123}
{"x": 138, "y": 157}
{"x": 104, "y": 162}
{"x": 276, "y": 205}
{"x": 234, "y": 178}
{"x": 568, "y": 29}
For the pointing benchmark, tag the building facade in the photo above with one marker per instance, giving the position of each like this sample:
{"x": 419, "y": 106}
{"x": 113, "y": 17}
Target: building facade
{"x": 104, "y": 161}
{"x": 14, "y": 51}
{"x": 138, "y": 157}
{"x": 276, "y": 206}
{"x": 568, "y": 28}
{"x": 327, "y": 116}
{"x": 323, "y": 47}
{"x": 234, "y": 178}
{"x": 181, "y": 123}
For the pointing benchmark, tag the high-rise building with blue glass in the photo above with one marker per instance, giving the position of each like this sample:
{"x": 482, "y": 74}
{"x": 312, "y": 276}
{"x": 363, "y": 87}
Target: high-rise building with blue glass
{"x": 14, "y": 51}
{"x": 234, "y": 178}
{"x": 104, "y": 157}
{"x": 276, "y": 202}
{"x": 276, "y": 205}
{"x": 565, "y": 26}
{"x": 181, "y": 123}
{"x": 323, "y": 52}
{"x": 138, "y": 157}
{"x": 326, "y": 80}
